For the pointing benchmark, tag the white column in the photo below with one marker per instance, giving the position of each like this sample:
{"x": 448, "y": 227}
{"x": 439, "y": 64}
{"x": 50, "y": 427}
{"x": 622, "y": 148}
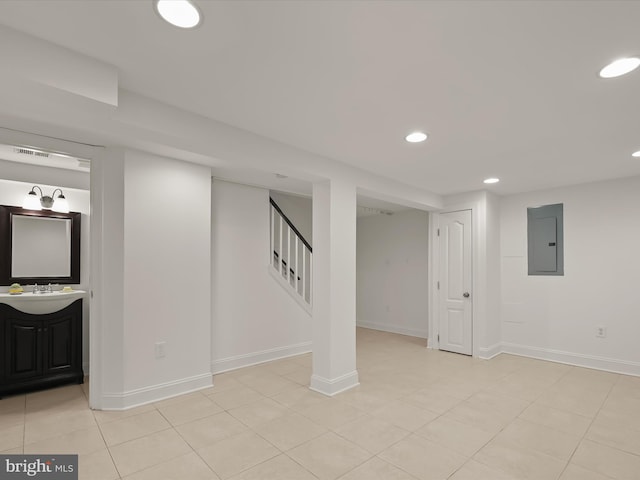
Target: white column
{"x": 334, "y": 287}
{"x": 106, "y": 348}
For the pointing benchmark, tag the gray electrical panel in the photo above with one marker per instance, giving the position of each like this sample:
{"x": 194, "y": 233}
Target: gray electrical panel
{"x": 545, "y": 240}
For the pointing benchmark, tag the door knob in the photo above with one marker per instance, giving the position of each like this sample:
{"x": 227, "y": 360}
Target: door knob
{"x": 465, "y": 294}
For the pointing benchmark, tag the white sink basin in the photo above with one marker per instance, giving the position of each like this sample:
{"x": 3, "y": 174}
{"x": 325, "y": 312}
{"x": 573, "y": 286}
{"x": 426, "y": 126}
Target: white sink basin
{"x": 40, "y": 303}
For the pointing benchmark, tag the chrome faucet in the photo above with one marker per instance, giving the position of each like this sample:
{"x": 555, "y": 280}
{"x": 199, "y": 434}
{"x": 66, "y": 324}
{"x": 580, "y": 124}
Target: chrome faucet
{"x": 42, "y": 289}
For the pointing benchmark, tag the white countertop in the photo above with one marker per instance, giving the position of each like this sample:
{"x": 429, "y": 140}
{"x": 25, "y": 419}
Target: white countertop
{"x": 42, "y": 296}
{"x": 39, "y": 303}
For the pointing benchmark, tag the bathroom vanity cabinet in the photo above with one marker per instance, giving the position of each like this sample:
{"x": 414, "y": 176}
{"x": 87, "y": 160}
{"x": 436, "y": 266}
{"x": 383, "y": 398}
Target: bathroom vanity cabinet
{"x": 40, "y": 350}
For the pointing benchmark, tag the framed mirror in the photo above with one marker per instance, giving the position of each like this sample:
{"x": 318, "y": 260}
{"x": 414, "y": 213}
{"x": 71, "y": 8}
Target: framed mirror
{"x": 39, "y": 246}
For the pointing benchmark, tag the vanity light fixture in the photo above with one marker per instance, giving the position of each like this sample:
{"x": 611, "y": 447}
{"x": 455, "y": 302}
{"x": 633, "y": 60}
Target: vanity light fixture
{"x": 416, "y": 137}
{"x": 57, "y": 204}
{"x": 179, "y": 13}
{"x": 636, "y": 154}
{"x": 491, "y": 180}
{"x": 620, "y": 67}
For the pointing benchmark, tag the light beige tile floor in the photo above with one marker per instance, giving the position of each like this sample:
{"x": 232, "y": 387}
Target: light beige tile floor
{"x": 418, "y": 414}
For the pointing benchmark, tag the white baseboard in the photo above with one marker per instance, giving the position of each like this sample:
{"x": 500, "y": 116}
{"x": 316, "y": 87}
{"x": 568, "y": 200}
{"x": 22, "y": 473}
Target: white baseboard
{"x": 577, "y": 359}
{"x": 155, "y": 393}
{"x": 331, "y": 387}
{"x": 385, "y": 327}
{"x": 254, "y": 358}
{"x": 487, "y": 353}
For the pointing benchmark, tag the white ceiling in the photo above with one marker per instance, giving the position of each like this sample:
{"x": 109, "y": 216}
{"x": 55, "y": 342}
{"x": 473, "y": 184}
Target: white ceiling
{"x": 507, "y": 89}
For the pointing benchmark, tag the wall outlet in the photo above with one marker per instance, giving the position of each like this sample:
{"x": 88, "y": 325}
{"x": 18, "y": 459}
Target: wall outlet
{"x": 160, "y": 349}
{"x": 601, "y": 332}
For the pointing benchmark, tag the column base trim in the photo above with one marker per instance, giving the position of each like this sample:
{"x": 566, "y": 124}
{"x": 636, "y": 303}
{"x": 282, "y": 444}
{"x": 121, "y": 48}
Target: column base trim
{"x": 487, "y": 353}
{"x": 331, "y": 387}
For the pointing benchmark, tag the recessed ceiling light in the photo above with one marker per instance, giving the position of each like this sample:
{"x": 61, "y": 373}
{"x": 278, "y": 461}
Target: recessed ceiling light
{"x": 636, "y": 154}
{"x": 620, "y": 67}
{"x": 416, "y": 137}
{"x": 491, "y": 180}
{"x": 181, "y": 13}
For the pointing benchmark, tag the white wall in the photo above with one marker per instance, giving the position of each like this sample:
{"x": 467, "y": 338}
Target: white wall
{"x": 154, "y": 284}
{"x": 167, "y": 238}
{"x": 13, "y": 193}
{"x": 254, "y": 320}
{"x": 392, "y": 272}
{"x": 299, "y": 210}
{"x": 555, "y": 317}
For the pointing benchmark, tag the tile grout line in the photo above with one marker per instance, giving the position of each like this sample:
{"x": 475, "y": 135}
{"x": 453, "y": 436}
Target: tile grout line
{"x": 490, "y": 379}
{"x": 195, "y": 451}
{"x": 587, "y": 429}
{"x": 105, "y": 444}
{"x": 186, "y": 442}
{"x": 499, "y": 432}
{"x": 101, "y": 435}
{"x": 594, "y": 419}
{"x": 439, "y": 415}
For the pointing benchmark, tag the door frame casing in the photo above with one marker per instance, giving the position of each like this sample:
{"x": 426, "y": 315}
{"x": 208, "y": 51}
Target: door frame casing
{"x": 478, "y": 271}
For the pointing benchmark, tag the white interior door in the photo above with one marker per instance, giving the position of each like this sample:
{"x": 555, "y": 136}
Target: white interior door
{"x": 455, "y": 320}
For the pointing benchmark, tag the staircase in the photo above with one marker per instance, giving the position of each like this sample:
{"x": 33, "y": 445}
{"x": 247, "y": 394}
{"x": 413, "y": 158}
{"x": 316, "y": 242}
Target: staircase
{"x": 291, "y": 257}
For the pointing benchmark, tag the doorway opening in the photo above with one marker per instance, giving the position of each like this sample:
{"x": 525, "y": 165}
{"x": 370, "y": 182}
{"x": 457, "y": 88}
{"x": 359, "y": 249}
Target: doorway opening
{"x": 392, "y": 272}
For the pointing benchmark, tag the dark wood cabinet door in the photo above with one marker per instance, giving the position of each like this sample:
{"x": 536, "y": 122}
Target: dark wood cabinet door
{"x": 59, "y": 354}
{"x": 23, "y": 349}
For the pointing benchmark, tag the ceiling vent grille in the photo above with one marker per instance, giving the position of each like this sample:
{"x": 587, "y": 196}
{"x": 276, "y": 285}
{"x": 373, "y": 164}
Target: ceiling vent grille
{"x": 34, "y": 153}
{"x": 367, "y": 211}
